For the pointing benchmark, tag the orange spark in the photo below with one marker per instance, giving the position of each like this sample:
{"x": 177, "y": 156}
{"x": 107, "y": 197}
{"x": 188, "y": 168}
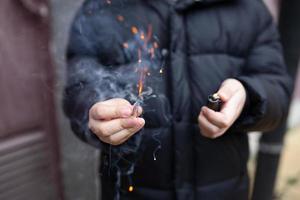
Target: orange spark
{"x": 142, "y": 36}
{"x": 143, "y": 72}
{"x": 134, "y": 30}
{"x": 141, "y": 86}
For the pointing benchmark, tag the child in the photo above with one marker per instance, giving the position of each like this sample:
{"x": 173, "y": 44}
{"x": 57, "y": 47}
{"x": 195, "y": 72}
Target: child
{"x": 169, "y": 144}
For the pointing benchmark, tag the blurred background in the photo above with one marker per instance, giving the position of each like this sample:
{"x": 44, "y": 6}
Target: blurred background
{"x": 40, "y": 158}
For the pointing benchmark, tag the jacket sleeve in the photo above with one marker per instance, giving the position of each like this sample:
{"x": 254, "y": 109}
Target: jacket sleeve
{"x": 91, "y": 76}
{"x": 87, "y": 83}
{"x": 265, "y": 79}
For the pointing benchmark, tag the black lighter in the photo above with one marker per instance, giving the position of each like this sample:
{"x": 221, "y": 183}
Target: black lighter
{"x": 214, "y": 102}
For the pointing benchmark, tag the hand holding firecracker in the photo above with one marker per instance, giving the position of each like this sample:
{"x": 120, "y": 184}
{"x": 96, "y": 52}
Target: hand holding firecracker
{"x": 223, "y": 109}
{"x": 114, "y": 121}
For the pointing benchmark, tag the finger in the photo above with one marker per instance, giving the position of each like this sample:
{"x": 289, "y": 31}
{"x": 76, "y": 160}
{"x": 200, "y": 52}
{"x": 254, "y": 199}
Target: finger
{"x": 103, "y": 111}
{"x": 208, "y": 129}
{"x": 123, "y": 135}
{"x": 107, "y": 128}
{"x": 218, "y": 119}
{"x": 116, "y": 102}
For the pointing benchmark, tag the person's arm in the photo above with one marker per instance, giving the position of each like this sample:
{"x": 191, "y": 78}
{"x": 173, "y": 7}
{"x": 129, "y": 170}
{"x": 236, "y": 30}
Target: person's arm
{"x": 268, "y": 85}
{"x": 82, "y": 90}
{"x": 258, "y": 99}
{"x": 95, "y": 75}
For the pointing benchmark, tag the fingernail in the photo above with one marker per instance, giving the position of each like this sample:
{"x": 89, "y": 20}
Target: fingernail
{"x": 131, "y": 122}
{"x": 126, "y": 112}
{"x": 141, "y": 121}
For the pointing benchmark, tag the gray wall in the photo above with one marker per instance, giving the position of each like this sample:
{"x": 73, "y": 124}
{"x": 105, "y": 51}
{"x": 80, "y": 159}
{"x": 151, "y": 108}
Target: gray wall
{"x": 79, "y": 161}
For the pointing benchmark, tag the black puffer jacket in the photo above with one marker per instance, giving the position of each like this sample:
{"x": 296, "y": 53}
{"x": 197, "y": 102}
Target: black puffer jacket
{"x": 203, "y": 42}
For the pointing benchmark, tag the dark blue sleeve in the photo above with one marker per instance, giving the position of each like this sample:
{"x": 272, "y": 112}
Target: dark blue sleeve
{"x": 93, "y": 74}
{"x": 265, "y": 78}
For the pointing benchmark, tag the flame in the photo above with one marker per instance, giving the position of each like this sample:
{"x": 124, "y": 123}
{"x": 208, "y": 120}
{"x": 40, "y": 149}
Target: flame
{"x": 141, "y": 87}
{"x": 143, "y": 72}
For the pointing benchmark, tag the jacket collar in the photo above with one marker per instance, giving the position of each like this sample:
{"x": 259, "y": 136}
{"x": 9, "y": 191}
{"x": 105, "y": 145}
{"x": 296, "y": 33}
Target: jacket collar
{"x": 183, "y": 4}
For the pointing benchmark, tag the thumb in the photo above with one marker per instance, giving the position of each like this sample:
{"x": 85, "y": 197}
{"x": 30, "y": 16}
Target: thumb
{"x": 117, "y": 102}
{"x": 227, "y": 90}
